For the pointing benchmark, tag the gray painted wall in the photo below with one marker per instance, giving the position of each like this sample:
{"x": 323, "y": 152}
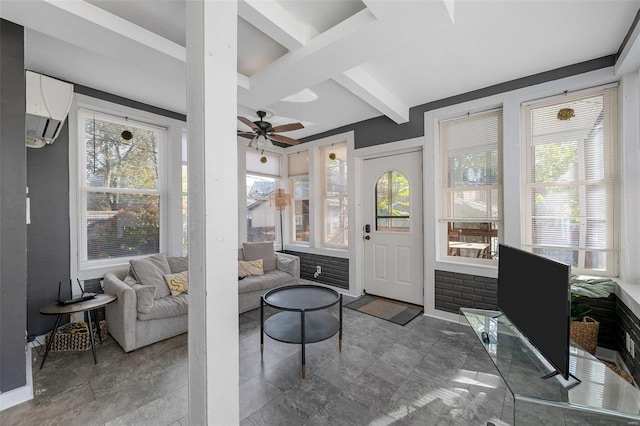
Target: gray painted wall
{"x": 48, "y": 233}
{"x": 380, "y": 130}
{"x": 13, "y": 228}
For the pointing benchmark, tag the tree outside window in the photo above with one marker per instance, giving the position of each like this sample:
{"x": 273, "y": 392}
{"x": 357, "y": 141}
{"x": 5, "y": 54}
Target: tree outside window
{"x": 120, "y": 187}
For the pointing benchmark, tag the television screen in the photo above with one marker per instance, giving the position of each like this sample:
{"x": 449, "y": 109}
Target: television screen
{"x": 535, "y": 294}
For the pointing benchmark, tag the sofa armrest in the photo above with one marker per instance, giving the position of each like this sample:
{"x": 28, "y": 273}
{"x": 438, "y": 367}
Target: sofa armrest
{"x": 288, "y": 263}
{"x": 122, "y": 314}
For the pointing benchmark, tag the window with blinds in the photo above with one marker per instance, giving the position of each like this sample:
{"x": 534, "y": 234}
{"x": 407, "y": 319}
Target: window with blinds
{"x": 571, "y": 183}
{"x": 120, "y": 190}
{"x": 471, "y": 185}
{"x": 299, "y": 179}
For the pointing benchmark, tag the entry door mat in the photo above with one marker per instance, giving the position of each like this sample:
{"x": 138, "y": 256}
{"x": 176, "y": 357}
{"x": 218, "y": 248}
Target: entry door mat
{"x": 390, "y": 310}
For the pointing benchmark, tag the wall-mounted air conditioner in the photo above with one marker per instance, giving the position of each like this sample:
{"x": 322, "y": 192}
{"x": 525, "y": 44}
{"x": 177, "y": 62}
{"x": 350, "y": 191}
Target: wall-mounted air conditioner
{"x": 48, "y": 103}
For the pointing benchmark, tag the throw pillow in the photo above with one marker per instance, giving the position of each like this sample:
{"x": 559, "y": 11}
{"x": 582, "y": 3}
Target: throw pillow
{"x": 144, "y": 296}
{"x": 249, "y": 267}
{"x": 178, "y": 264}
{"x": 264, "y": 251}
{"x": 178, "y": 283}
{"x": 151, "y": 271}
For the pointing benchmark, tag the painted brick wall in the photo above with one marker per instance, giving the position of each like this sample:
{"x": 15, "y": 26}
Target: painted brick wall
{"x": 455, "y": 291}
{"x": 628, "y": 322}
{"x": 335, "y": 270}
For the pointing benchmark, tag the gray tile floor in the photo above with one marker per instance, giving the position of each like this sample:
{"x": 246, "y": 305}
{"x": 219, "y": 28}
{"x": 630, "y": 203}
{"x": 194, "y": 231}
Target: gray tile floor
{"x": 429, "y": 372}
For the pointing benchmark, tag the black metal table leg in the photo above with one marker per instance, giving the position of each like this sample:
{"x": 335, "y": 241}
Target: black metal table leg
{"x": 93, "y": 340}
{"x": 340, "y": 333}
{"x": 51, "y": 338}
{"x": 304, "y": 362}
{"x": 261, "y": 326}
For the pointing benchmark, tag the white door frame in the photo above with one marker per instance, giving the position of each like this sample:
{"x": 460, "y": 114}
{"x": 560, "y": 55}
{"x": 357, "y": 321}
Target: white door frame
{"x": 361, "y": 154}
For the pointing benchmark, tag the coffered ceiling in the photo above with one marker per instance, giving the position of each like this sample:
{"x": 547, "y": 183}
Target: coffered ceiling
{"x": 362, "y": 59}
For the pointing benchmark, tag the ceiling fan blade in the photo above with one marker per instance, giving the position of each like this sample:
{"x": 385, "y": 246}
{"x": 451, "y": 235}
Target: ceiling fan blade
{"x": 247, "y": 135}
{"x": 283, "y": 139}
{"x": 287, "y": 127}
{"x": 249, "y": 123}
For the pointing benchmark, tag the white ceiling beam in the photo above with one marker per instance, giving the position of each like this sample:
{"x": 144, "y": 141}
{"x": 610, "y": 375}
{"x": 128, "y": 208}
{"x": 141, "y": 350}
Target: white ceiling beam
{"x": 111, "y": 22}
{"x": 276, "y": 22}
{"x": 345, "y": 46}
{"x": 362, "y": 84}
{"x": 629, "y": 59}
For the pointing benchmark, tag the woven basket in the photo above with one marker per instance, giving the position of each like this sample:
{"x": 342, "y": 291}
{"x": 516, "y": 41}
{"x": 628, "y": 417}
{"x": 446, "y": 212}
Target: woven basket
{"x": 74, "y": 336}
{"x": 585, "y": 333}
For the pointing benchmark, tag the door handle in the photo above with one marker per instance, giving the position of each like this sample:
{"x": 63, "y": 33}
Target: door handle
{"x": 367, "y": 237}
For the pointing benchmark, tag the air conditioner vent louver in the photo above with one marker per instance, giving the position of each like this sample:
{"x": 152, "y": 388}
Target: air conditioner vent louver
{"x": 48, "y": 102}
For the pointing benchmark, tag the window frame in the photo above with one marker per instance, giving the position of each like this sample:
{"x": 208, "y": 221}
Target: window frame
{"x": 84, "y": 190}
{"x": 326, "y": 197}
{"x": 277, "y": 180}
{"x": 447, "y": 223}
{"x": 169, "y": 161}
{"x": 610, "y": 181}
{"x": 291, "y": 178}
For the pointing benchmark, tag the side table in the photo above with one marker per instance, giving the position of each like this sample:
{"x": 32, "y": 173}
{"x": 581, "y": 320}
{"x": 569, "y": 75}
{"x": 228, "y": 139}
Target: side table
{"x": 87, "y": 306}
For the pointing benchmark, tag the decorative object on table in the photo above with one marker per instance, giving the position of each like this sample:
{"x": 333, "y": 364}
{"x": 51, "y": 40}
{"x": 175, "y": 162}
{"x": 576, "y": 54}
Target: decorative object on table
{"x": 74, "y": 336}
{"x": 386, "y": 309}
{"x": 584, "y": 329}
{"x": 280, "y": 199}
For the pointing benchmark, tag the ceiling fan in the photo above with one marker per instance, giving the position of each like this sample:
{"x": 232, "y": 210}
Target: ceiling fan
{"x": 264, "y": 132}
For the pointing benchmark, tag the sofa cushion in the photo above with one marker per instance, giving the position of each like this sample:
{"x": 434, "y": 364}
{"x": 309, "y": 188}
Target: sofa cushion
{"x": 151, "y": 271}
{"x": 263, "y": 282}
{"x": 264, "y": 251}
{"x": 240, "y": 254}
{"x": 145, "y": 294}
{"x": 287, "y": 265}
{"x": 166, "y": 307}
{"x": 178, "y": 283}
{"x": 249, "y": 267}
{"x": 178, "y": 264}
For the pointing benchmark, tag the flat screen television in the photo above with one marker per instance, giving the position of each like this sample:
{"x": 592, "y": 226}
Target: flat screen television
{"x": 535, "y": 294}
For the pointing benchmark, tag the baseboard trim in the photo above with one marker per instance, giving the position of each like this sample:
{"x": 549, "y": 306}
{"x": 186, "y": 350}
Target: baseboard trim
{"x": 22, "y": 394}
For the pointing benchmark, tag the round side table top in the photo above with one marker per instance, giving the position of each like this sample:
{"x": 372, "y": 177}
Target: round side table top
{"x": 97, "y": 302}
{"x": 300, "y": 297}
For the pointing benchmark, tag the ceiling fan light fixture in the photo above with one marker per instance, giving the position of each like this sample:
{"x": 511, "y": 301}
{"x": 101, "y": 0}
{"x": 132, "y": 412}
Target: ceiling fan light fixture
{"x": 305, "y": 95}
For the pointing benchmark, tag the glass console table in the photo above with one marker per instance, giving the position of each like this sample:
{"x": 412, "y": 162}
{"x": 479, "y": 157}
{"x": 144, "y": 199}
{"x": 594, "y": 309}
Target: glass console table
{"x": 601, "y": 397}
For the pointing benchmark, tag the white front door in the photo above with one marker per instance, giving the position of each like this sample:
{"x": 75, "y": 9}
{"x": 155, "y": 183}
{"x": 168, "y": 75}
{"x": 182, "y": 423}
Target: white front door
{"x": 393, "y": 245}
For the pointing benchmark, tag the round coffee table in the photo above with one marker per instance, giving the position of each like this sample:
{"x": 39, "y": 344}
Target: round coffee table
{"x": 303, "y": 316}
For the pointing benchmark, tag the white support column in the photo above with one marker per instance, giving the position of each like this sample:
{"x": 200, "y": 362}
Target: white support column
{"x": 213, "y": 206}
{"x": 629, "y": 136}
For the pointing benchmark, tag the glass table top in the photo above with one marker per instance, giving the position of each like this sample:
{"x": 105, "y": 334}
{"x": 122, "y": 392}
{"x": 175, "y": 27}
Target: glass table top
{"x": 522, "y": 368}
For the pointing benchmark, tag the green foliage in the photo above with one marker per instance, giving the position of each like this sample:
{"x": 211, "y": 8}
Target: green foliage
{"x": 588, "y": 287}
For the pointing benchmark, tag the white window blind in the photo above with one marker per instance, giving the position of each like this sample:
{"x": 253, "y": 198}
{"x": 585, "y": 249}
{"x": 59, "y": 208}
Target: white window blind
{"x": 571, "y": 183}
{"x": 256, "y": 162}
{"x": 299, "y": 163}
{"x": 471, "y": 162}
{"x": 120, "y": 187}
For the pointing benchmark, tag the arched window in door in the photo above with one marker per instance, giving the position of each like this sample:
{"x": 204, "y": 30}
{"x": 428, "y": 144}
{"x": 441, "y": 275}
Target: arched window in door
{"x": 393, "y": 203}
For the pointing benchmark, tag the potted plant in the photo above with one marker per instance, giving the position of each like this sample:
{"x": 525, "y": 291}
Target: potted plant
{"x": 584, "y": 329}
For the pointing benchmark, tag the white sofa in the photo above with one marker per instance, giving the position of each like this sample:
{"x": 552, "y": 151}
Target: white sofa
{"x": 142, "y": 315}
